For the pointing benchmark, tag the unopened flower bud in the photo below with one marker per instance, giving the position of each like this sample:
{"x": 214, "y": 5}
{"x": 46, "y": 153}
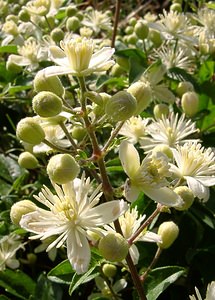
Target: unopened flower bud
{"x": 142, "y": 93}
{"x": 160, "y": 110}
{"x": 78, "y": 132}
{"x": 113, "y": 247}
{"x": 94, "y": 97}
{"x": 176, "y": 7}
{"x": 129, "y": 29}
{"x": 47, "y": 104}
{"x": 29, "y": 131}
{"x": 155, "y": 37}
{"x": 164, "y": 149}
{"x": 24, "y": 15}
{"x": 187, "y": 196}
{"x": 121, "y": 106}
{"x": 190, "y": 103}
{"x": 21, "y": 208}
{"x": 183, "y": 87}
{"x": 27, "y": 160}
{"x": 57, "y": 35}
{"x": 72, "y": 23}
{"x": 132, "y": 39}
{"x": 109, "y": 270}
{"x": 169, "y": 232}
{"x": 50, "y": 84}
{"x": 62, "y": 168}
{"x": 141, "y": 29}
{"x": 71, "y": 10}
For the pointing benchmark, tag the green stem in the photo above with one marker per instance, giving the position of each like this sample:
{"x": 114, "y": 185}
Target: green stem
{"x": 154, "y": 261}
{"x": 113, "y": 135}
{"x": 55, "y": 147}
{"x": 68, "y": 135}
{"x": 145, "y": 224}
{"x": 116, "y": 21}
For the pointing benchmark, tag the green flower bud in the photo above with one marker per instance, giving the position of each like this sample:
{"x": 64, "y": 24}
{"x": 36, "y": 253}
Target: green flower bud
{"x": 72, "y": 23}
{"x": 78, "y": 132}
{"x": 183, "y": 87}
{"x": 121, "y": 106}
{"x": 190, "y": 103}
{"x": 132, "y": 21}
{"x": 141, "y": 29}
{"x": 62, "y": 168}
{"x": 155, "y": 37}
{"x": 109, "y": 270}
{"x": 27, "y": 160}
{"x": 169, "y": 232}
{"x": 187, "y": 196}
{"x": 24, "y": 15}
{"x": 50, "y": 84}
{"x": 94, "y": 97}
{"x": 117, "y": 70}
{"x": 164, "y": 149}
{"x": 29, "y": 131}
{"x": 71, "y": 10}
{"x": 57, "y": 35}
{"x": 80, "y": 15}
{"x": 32, "y": 258}
{"x": 160, "y": 110}
{"x": 176, "y": 7}
{"x": 142, "y": 93}
{"x": 129, "y": 30}
{"x": 21, "y": 208}
{"x": 113, "y": 247}
{"x": 132, "y": 39}
{"x": 47, "y": 104}
{"x": 12, "y": 67}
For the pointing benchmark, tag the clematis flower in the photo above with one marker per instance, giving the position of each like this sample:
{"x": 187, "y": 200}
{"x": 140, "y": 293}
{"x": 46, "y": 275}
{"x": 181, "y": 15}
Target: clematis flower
{"x": 130, "y": 221}
{"x": 77, "y": 57}
{"x": 196, "y": 165}
{"x": 71, "y": 214}
{"x": 171, "y": 131}
{"x": 149, "y": 177}
{"x": 210, "y": 293}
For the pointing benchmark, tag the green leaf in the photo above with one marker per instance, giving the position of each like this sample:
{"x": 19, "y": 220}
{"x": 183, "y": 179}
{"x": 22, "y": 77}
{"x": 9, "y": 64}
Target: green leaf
{"x": 204, "y": 214}
{"x": 77, "y": 280}
{"x": 17, "y": 283}
{"x": 18, "y": 88}
{"x": 181, "y": 75}
{"x": 46, "y": 290}
{"x": 160, "y": 278}
{"x": 9, "y": 49}
{"x": 206, "y": 71}
{"x": 62, "y": 273}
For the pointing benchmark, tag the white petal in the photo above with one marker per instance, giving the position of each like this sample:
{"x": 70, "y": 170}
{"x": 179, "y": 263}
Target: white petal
{"x": 129, "y": 157}
{"x": 57, "y": 70}
{"x": 56, "y": 52}
{"x": 19, "y": 60}
{"x": 206, "y": 180}
{"x": 107, "y": 212}
{"x": 79, "y": 256}
{"x": 134, "y": 254}
{"x": 150, "y": 237}
{"x": 131, "y": 191}
{"x": 101, "y": 56}
{"x": 198, "y": 189}
{"x": 163, "y": 195}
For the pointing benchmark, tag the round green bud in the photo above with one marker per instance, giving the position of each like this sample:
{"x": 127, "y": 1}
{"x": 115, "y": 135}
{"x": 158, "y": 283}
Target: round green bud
{"x": 109, "y": 270}
{"x": 187, "y": 196}
{"x": 183, "y": 87}
{"x": 164, "y": 149}
{"x": 32, "y": 258}
{"x": 57, "y": 35}
{"x": 94, "y": 97}
{"x": 50, "y": 84}
{"x": 29, "y": 131}
{"x": 24, "y": 15}
{"x": 62, "y": 168}
{"x": 27, "y": 160}
{"x": 13, "y": 18}
{"x": 132, "y": 39}
{"x": 121, "y": 106}
{"x": 132, "y": 21}
{"x": 169, "y": 232}
{"x": 78, "y": 132}
{"x": 80, "y": 16}
{"x": 113, "y": 247}
{"x": 47, "y": 104}
{"x": 190, "y": 103}
{"x": 116, "y": 70}
{"x": 21, "y": 208}
{"x": 176, "y": 7}
{"x": 129, "y": 30}
{"x": 72, "y": 23}
{"x": 142, "y": 93}
{"x": 71, "y": 10}
{"x": 160, "y": 110}
{"x": 141, "y": 29}
{"x": 155, "y": 37}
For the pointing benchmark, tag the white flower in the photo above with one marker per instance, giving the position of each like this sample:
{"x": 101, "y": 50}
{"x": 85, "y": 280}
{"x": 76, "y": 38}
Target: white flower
{"x": 148, "y": 177}
{"x": 196, "y": 165}
{"x": 9, "y": 245}
{"x": 210, "y": 294}
{"x": 97, "y": 21}
{"x": 76, "y": 57}
{"x": 206, "y": 18}
{"x": 171, "y": 131}
{"x": 38, "y": 7}
{"x": 134, "y": 129}
{"x": 130, "y": 223}
{"x": 71, "y": 214}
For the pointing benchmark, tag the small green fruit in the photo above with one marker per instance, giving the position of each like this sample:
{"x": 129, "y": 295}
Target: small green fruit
{"x": 62, "y": 168}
